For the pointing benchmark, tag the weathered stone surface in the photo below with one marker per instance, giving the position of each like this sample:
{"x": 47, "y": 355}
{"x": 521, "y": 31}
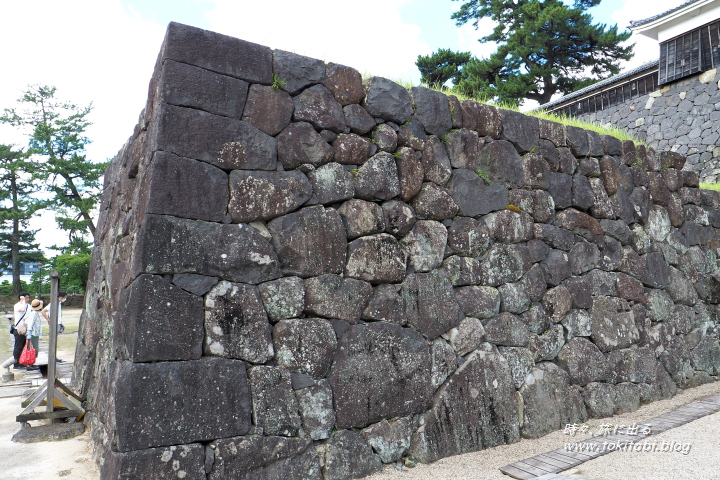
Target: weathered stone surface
{"x": 462, "y": 147}
{"x": 599, "y": 399}
{"x": 399, "y": 218}
{"x": 425, "y": 245}
{"x": 536, "y": 319}
{"x": 430, "y": 305}
{"x": 444, "y": 361}
{"x": 268, "y": 109}
{"x": 557, "y": 267}
{"x": 385, "y": 138}
{"x": 236, "y": 325}
{"x": 385, "y": 305}
{"x": 482, "y": 118}
{"x": 536, "y": 171}
{"x": 613, "y": 324}
{"x": 522, "y": 130}
{"x": 680, "y": 288}
{"x": 345, "y": 83}
{"x": 305, "y": 345}
{"x": 508, "y": 330}
{"x": 584, "y": 257}
{"x": 269, "y": 457}
{"x": 561, "y": 189}
{"x": 466, "y": 337}
{"x": 351, "y": 149}
{"x": 299, "y": 143}
{"x": 159, "y": 321}
{"x": 459, "y": 423}
{"x": 632, "y": 364}
{"x": 583, "y": 361}
{"x": 316, "y": 409}
{"x": 390, "y": 440}
{"x": 317, "y": 106}
{"x": 332, "y": 296}
{"x": 549, "y": 401}
{"x": 463, "y": 270}
{"x": 176, "y": 462}
{"x": 580, "y": 289}
{"x": 515, "y": 297}
{"x": 609, "y": 174}
{"x": 553, "y": 236}
{"x": 630, "y": 288}
{"x": 583, "y": 196}
{"x": 478, "y": 301}
{"x": 410, "y": 173}
{"x": 432, "y": 109}
{"x": 548, "y": 345}
{"x": 225, "y": 142}
{"x": 178, "y": 186}
{"x": 474, "y": 196}
{"x": 395, "y": 360}
{"x": 706, "y": 355}
{"x": 468, "y": 237}
{"x": 627, "y": 397}
{"x": 577, "y": 323}
{"x": 553, "y": 131}
{"x": 434, "y": 203}
{"x": 358, "y": 120}
{"x": 387, "y": 100}
{"x": 265, "y": 195}
{"x": 361, "y": 218}
{"x": 169, "y": 245}
{"x": 275, "y": 407}
{"x": 656, "y": 274}
{"x": 538, "y": 203}
{"x": 377, "y": 178}
{"x": 197, "y": 284}
{"x": 309, "y": 242}
{"x": 412, "y": 134}
{"x": 507, "y": 226}
{"x": 331, "y": 183}
{"x": 604, "y": 283}
{"x": 220, "y": 405}
{"x": 505, "y": 263}
{"x": 520, "y": 361}
{"x": 578, "y": 141}
{"x": 557, "y": 302}
{"x": 283, "y": 298}
{"x": 602, "y": 207}
{"x": 296, "y": 72}
{"x": 376, "y": 259}
{"x": 346, "y": 455}
{"x": 502, "y": 163}
{"x": 435, "y": 161}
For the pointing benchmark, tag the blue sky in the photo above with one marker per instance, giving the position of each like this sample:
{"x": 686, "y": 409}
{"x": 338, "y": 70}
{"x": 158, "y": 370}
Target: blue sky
{"x": 103, "y": 51}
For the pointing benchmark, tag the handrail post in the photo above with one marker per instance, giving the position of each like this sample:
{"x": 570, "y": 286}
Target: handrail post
{"x": 54, "y": 306}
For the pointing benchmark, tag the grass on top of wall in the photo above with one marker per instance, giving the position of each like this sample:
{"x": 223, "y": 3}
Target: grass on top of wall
{"x": 616, "y": 132}
{"x": 710, "y": 186}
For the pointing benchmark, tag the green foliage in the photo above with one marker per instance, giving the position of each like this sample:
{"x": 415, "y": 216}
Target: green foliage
{"x": 544, "y": 47}
{"x": 710, "y": 186}
{"x": 278, "y": 82}
{"x": 57, "y": 143}
{"x": 484, "y": 175}
{"x": 74, "y": 271}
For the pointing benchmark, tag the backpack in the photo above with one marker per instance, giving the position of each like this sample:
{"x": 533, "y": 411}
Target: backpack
{"x": 21, "y": 327}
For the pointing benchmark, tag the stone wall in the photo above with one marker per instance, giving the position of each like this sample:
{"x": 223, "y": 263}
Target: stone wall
{"x": 682, "y": 117}
{"x": 312, "y": 280}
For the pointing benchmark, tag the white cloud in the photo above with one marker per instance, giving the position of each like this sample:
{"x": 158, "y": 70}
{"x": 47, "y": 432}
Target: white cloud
{"x": 369, "y": 36}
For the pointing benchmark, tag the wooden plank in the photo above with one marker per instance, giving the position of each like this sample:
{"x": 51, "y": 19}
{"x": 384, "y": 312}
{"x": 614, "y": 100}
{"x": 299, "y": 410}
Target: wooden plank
{"x": 536, "y": 471}
{"x": 516, "y": 472}
{"x": 561, "y": 464}
{"x": 576, "y": 455}
{"x": 34, "y": 395}
{"x": 562, "y": 457}
{"x": 42, "y": 415}
{"x": 540, "y": 464}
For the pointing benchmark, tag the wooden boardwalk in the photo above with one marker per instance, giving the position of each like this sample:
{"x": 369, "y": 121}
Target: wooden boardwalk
{"x": 546, "y": 466}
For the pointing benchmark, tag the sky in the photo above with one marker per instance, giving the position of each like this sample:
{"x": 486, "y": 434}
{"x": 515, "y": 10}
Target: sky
{"x": 102, "y": 52}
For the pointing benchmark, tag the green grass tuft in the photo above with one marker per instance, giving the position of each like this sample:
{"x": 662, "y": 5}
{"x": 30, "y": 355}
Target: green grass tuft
{"x": 710, "y": 186}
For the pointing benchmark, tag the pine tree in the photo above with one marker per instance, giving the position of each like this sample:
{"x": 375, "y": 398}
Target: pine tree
{"x": 545, "y": 47}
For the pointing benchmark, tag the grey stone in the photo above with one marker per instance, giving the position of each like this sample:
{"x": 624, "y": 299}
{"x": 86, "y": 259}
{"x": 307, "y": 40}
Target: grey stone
{"x": 316, "y": 409}
{"x": 266, "y": 195}
{"x": 275, "y": 407}
{"x": 425, "y": 245}
{"x": 561, "y": 189}
{"x": 484, "y": 119}
{"x": 460, "y": 423}
{"x": 468, "y": 237}
{"x": 557, "y": 302}
{"x": 151, "y": 387}
{"x": 602, "y": 207}
{"x": 577, "y": 323}
{"x": 522, "y": 130}
{"x": 283, "y": 298}
{"x": 434, "y": 203}
{"x": 351, "y": 149}
{"x": 305, "y": 345}
{"x": 580, "y": 289}
{"x": 299, "y": 143}
{"x": 599, "y": 399}
{"x": 508, "y": 330}
{"x": 175, "y": 462}
{"x": 584, "y": 257}
{"x": 555, "y": 237}
{"x": 390, "y": 440}
{"x": 538, "y": 203}
{"x": 358, "y": 120}
{"x": 309, "y": 242}
{"x": 361, "y": 218}
{"x": 613, "y": 324}
{"x": 158, "y": 321}
{"x": 474, "y": 196}
{"x": 430, "y": 305}
{"x": 385, "y": 305}
{"x": 585, "y": 363}
{"x": 536, "y": 171}
{"x": 168, "y": 245}
{"x": 536, "y": 319}
{"x": 501, "y": 162}
{"x": 296, "y": 72}
{"x": 637, "y": 365}
{"x": 399, "y": 218}
{"x": 385, "y": 138}
{"x": 627, "y": 397}
{"x": 505, "y": 263}
{"x": 463, "y": 271}
{"x": 387, "y": 100}
{"x": 377, "y": 178}
{"x": 466, "y": 337}
{"x": 368, "y": 355}
{"x": 657, "y": 273}
{"x": 520, "y": 361}
{"x": 557, "y": 267}
{"x": 410, "y": 173}
{"x": 376, "y": 259}
{"x": 236, "y": 325}
{"x": 432, "y": 109}
{"x": 346, "y": 455}
{"x": 478, "y": 301}
{"x": 332, "y": 296}
{"x": 331, "y": 183}
{"x": 507, "y": 226}
{"x": 462, "y": 147}
{"x": 345, "y": 83}
{"x": 548, "y": 345}
{"x": 578, "y": 141}
{"x": 706, "y": 355}
{"x": 197, "y": 284}
{"x": 553, "y": 131}
{"x": 268, "y": 109}
{"x": 435, "y": 161}
{"x": 515, "y": 297}
{"x": 412, "y": 134}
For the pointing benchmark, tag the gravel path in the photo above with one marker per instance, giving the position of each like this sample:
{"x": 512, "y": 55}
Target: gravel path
{"x": 702, "y": 462}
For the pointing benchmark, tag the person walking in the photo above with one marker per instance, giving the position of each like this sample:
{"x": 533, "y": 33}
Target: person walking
{"x": 35, "y": 326}
{"x": 62, "y": 296}
{"x": 21, "y": 310}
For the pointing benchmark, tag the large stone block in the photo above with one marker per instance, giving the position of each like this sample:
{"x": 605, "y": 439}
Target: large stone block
{"x": 345, "y": 83}
{"x": 305, "y": 345}
{"x": 432, "y": 109}
{"x": 468, "y": 237}
{"x": 583, "y": 361}
{"x": 268, "y": 109}
{"x": 425, "y": 245}
{"x": 332, "y": 296}
{"x": 508, "y": 330}
{"x": 346, "y": 455}
{"x": 237, "y": 253}
{"x": 317, "y": 106}
{"x": 283, "y": 298}
{"x": 225, "y": 142}
{"x": 476, "y": 408}
{"x": 376, "y": 259}
{"x": 380, "y": 371}
{"x": 316, "y": 409}
{"x": 361, "y": 218}
{"x": 181, "y": 402}
{"x": 378, "y": 178}
{"x": 474, "y": 195}
{"x": 236, "y": 325}
{"x": 295, "y": 72}
{"x": 264, "y": 457}
{"x": 158, "y": 321}
{"x": 331, "y": 183}
{"x": 351, "y": 149}
{"x": 390, "y": 440}
{"x": 462, "y": 147}
{"x": 387, "y": 100}
{"x": 613, "y": 324}
{"x": 435, "y": 161}
{"x": 502, "y": 163}
{"x": 482, "y": 118}
{"x": 263, "y": 196}
{"x": 218, "y": 53}
{"x": 386, "y": 305}
{"x": 299, "y": 143}
{"x": 505, "y": 263}
{"x": 310, "y": 242}
{"x": 183, "y": 462}
{"x": 434, "y": 203}
{"x": 522, "y": 130}
{"x": 430, "y": 305}
{"x": 275, "y": 408}
{"x": 479, "y": 302}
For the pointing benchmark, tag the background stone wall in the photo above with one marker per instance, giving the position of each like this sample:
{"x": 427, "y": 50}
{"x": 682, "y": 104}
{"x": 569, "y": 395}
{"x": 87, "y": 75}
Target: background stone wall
{"x": 682, "y": 117}
{"x": 311, "y": 280}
